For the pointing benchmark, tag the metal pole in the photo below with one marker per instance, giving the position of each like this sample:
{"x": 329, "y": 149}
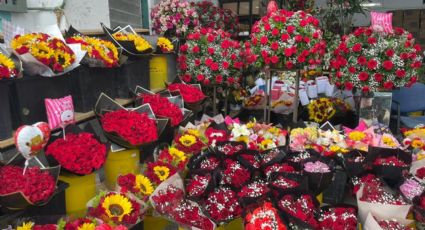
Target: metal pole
{"x": 214, "y": 102}
{"x": 296, "y": 99}
{"x": 226, "y": 101}
{"x": 266, "y": 108}
{"x": 269, "y": 98}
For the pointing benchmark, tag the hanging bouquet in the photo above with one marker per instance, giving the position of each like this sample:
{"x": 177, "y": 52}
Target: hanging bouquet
{"x": 287, "y": 39}
{"x": 211, "y": 16}
{"x": 36, "y": 186}
{"x": 116, "y": 208}
{"x": 43, "y": 54}
{"x": 372, "y": 61}
{"x": 173, "y": 18}
{"x": 100, "y": 52}
{"x": 7, "y": 67}
{"x": 78, "y": 153}
{"x": 210, "y": 57}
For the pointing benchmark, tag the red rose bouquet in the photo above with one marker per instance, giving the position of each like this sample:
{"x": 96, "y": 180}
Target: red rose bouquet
{"x": 338, "y": 218}
{"x": 302, "y": 208}
{"x": 250, "y": 160}
{"x": 190, "y": 93}
{"x": 283, "y": 183}
{"x": 173, "y": 156}
{"x": 264, "y": 217}
{"x": 162, "y": 107}
{"x": 36, "y": 185}
{"x": 78, "y": 153}
{"x": 101, "y": 53}
{"x": 234, "y": 174}
{"x": 189, "y": 213}
{"x": 230, "y": 149}
{"x": 211, "y": 16}
{"x": 167, "y": 199}
{"x": 210, "y": 56}
{"x": 134, "y": 127}
{"x": 198, "y": 184}
{"x": 372, "y": 60}
{"x": 287, "y": 39}
{"x": 116, "y": 208}
{"x": 253, "y": 192}
{"x": 279, "y": 168}
{"x": 209, "y": 163}
{"x": 159, "y": 171}
{"x": 222, "y": 205}
{"x": 393, "y": 225}
{"x": 50, "y": 52}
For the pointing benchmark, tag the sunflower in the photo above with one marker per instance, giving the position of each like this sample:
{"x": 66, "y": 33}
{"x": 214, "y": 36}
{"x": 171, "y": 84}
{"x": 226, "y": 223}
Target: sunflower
{"x": 187, "y": 140}
{"x": 6, "y": 62}
{"x": 162, "y": 172}
{"x": 41, "y": 50}
{"x": 117, "y": 206}
{"x": 321, "y": 109}
{"x": 356, "y": 136}
{"x": 266, "y": 143}
{"x": 144, "y": 185}
{"x": 177, "y": 155}
{"x": 26, "y": 226}
{"x": 63, "y": 58}
{"x": 140, "y": 43}
{"x": 87, "y": 226}
{"x": 193, "y": 132}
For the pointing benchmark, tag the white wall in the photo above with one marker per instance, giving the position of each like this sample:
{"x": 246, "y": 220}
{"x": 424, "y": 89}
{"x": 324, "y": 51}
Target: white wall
{"x": 82, "y": 14}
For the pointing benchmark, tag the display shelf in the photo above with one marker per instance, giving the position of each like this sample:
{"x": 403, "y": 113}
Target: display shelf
{"x": 79, "y": 117}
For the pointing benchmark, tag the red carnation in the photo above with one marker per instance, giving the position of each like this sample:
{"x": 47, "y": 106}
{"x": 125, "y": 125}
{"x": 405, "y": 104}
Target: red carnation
{"x": 274, "y": 59}
{"x": 211, "y": 38}
{"x": 290, "y": 29}
{"x": 289, "y": 65}
{"x": 388, "y": 85}
{"x": 400, "y": 73}
{"x": 388, "y": 65}
{"x": 195, "y": 49}
{"x": 197, "y": 62}
{"x": 365, "y": 89}
{"x": 186, "y": 78}
{"x": 378, "y": 77}
{"x": 361, "y": 60}
{"x": 274, "y": 46}
{"x": 389, "y": 52}
{"x": 264, "y": 40}
{"x": 267, "y": 27}
{"x": 372, "y": 64}
{"x": 288, "y": 52}
{"x": 298, "y": 38}
{"x": 306, "y": 39}
{"x": 219, "y": 79}
{"x": 284, "y": 37}
{"x": 357, "y": 47}
{"x": 225, "y": 65}
{"x": 371, "y": 40}
{"x": 208, "y": 61}
{"x": 214, "y": 66}
{"x": 211, "y": 50}
{"x": 275, "y": 32}
{"x": 200, "y": 77}
{"x": 352, "y": 69}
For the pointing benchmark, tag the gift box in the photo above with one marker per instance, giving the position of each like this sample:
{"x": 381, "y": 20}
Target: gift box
{"x": 29, "y": 93}
{"x": 132, "y": 74}
{"x": 6, "y": 118}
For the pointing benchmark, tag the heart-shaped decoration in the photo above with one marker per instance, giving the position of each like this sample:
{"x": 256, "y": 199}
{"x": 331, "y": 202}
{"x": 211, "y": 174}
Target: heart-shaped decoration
{"x": 31, "y": 139}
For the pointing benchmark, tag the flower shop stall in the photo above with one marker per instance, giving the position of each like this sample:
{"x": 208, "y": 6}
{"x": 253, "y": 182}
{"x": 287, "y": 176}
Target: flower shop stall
{"x": 116, "y": 153}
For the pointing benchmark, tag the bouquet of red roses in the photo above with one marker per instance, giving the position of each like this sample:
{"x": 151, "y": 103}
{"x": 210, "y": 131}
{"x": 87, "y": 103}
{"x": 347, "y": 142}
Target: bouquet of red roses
{"x": 19, "y": 190}
{"x": 210, "y": 56}
{"x": 264, "y": 216}
{"x": 190, "y": 93}
{"x": 162, "y": 107}
{"x": 78, "y": 153}
{"x": 116, "y": 208}
{"x": 287, "y": 39}
{"x": 301, "y": 209}
{"x": 371, "y": 60}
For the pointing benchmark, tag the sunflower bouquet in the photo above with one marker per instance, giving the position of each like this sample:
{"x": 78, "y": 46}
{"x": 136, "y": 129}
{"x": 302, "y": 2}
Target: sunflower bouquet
{"x": 100, "y": 52}
{"x": 45, "y": 55}
{"x": 165, "y": 45}
{"x": 116, "y": 208}
{"x": 139, "y": 42}
{"x": 7, "y": 67}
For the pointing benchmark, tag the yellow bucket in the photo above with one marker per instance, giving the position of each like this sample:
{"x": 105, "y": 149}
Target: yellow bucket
{"x": 81, "y": 189}
{"x": 158, "y": 68}
{"x": 232, "y": 225}
{"x": 152, "y": 222}
{"x": 120, "y": 163}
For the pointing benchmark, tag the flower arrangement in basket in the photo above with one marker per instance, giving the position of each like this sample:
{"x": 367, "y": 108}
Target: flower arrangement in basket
{"x": 43, "y": 54}
{"x": 211, "y": 16}
{"x": 173, "y": 18}
{"x": 371, "y": 60}
{"x": 210, "y": 57}
{"x": 100, "y": 52}
{"x": 287, "y": 39}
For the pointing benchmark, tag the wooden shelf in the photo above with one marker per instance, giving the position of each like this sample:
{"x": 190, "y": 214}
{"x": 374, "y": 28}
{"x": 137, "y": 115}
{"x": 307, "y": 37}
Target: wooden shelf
{"x": 79, "y": 117}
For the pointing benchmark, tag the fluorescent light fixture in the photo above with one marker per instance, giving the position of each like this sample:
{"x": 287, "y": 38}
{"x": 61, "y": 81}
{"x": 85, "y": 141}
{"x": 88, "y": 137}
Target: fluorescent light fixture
{"x": 371, "y": 4}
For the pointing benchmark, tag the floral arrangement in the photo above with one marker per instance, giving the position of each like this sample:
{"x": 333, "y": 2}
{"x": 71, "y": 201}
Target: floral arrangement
{"x": 48, "y": 50}
{"x": 288, "y": 39}
{"x": 321, "y": 110}
{"x": 302, "y": 138}
{"x": 316, "y": 167}
{"x": 98, "y": 49}
{"x": 211, "y": 16}
{"x": 189, "y": 213}
{"x": 35, "y": 185}
{"x": 374, "y": 61}
{"x": 279, "y": 168}
{"x": 338, "y": 218}
{"x": 159, "y": 171}
{"x": 136, "y": 184}
{"x": 85, "y": 224}
{"x": 173, "y": 18}
{"x": 116, "y": 208}
{"x": 164, "y": 108}
{"x": 7, "y": 67}
{"x": 79, "y": 153}
{"x": 374, "y": 192}
{"x": 411, "y": 189}
{"x": 190, "y": 93}
{"x": 330, "y": 142}
{"x": 174, "y": 157}
{"x": 258, "y": 136}
{"x": 136, "y": 128}
{"x": 165, "y": 45}
{"x": 167, "y": 199}
{"x": 197, "y": 185}
{"x": 215, "y": 135}
{"x": 392, "y": 224}
{"x": 302, "y": 208}
{"x": 254, "y": 190}
{"x": 415, "y": 139}
{"x": 189, "y": 142}
{"x": 234, "y": 174}
{"x": 360, "y": 137}
{"x": 222, "y": 205}
{"x": 264, "y": 217}
{"x": 390, "y": 161}
{"x": 33, "y": 226}
{"x": 139, "y": 42}
{"x": 221, "y": 65}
